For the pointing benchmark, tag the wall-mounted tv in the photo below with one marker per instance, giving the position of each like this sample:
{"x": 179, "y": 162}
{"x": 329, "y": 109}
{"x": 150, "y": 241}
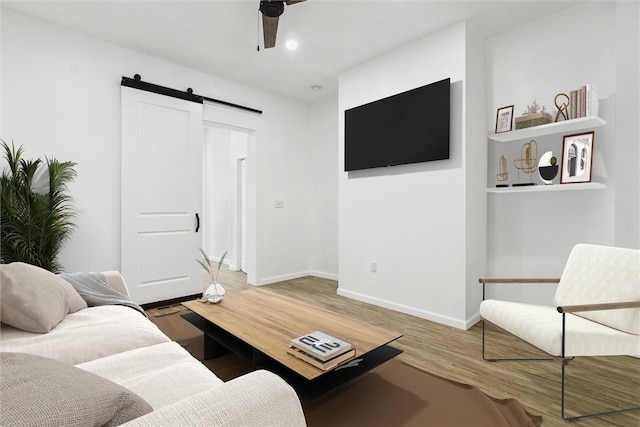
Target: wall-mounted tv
{"x": 409, "y": 127}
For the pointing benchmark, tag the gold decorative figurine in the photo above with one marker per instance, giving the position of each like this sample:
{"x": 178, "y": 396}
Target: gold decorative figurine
{"x": 503, "y": 175}
{"x": 528, "y": 161}
{"x": 563, "y": 106}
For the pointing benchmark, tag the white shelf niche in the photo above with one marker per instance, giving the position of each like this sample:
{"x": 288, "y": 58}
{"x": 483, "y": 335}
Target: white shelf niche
{"x": 552, "y": 187}
{"x": 565, "y": 126}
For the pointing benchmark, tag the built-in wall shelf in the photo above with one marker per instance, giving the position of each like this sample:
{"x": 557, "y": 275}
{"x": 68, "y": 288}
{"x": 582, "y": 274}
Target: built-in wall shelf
{"x": 565, "y": 126}
{"x": 553, "y": 187}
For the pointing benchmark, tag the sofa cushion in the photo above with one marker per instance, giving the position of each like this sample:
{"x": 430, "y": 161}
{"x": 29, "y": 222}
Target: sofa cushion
{"x": 256, "y": 399}
{"x": 34, "y": 299}
{"x": 40, "y": 391}
{"x": 87, "y": 335}
{"x": 601, "y": 274}
{"x": 161, "y": 374}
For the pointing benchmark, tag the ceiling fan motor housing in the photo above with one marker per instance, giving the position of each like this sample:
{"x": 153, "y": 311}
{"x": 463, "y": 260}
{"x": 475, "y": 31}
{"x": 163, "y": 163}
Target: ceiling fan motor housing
{"x": 272, "y": 9}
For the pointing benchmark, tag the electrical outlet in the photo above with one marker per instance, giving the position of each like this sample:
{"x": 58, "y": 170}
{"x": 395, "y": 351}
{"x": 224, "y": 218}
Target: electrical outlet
{"x": 278, "y": 204}
{"x": 374, "y": 266}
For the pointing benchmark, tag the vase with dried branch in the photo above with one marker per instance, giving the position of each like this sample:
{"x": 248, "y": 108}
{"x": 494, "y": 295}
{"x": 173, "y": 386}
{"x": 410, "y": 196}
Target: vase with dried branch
{"x": 215, "y": 292}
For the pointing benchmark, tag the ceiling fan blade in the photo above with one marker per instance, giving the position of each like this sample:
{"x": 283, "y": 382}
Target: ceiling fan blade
{"x": 269, "y": 28}
{"x": 290, "y": 2}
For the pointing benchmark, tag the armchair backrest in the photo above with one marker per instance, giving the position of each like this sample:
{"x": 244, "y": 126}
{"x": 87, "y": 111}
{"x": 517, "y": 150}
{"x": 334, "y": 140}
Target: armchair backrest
{"x": 597, "y": 274}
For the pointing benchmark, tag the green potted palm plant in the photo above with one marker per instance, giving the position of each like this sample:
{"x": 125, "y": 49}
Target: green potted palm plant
{"x": 36, "y": 212}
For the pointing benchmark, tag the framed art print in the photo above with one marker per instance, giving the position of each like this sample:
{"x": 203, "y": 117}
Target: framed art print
{"x": 577, "y": 156}
{"x": 504, "y": 119}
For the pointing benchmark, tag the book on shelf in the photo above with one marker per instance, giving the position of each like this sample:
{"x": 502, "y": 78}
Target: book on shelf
{"x": 320, "y": 345}
{"x": 583, "y": 102}
{"x": 325, "y": 365}
{"x": 591, "y": 102}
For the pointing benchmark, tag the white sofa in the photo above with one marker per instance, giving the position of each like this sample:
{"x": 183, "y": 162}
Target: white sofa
{"x": 120, "y": 345}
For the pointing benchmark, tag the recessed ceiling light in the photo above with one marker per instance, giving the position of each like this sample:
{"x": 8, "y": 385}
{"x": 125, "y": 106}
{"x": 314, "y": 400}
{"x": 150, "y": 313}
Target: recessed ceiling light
{"x": 292, "y": 44}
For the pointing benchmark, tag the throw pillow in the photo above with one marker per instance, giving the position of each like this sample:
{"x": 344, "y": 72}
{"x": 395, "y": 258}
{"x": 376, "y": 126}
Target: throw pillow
{"x": 34, "y": 299}
{"x": 37, "y": 391}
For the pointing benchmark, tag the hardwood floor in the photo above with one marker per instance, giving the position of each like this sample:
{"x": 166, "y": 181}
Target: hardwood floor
{"x": 593, "y": 384}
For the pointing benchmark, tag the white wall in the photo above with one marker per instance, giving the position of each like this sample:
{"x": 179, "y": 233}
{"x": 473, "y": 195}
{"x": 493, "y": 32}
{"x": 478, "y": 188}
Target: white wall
{"x": 627, "y": 190}
{"x": 323, "y": 191}
{"x": 1, "y": 90}
{"x": 218, "y": 191}
{"x": 475, "y": 155}
{"x": 531, "y": 234}
{"x": 410, "y": 219}
{"x": 61, "y": 99}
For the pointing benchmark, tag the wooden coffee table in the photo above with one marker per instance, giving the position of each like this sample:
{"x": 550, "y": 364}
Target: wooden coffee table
{"x": 258, "y": 325}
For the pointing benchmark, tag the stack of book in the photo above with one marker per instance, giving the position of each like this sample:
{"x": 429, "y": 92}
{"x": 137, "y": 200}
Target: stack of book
{"x": 583, "y": 102}
{"x": 321, "y": 350}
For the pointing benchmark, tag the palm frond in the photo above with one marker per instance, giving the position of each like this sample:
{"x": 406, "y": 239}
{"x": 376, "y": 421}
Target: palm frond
{"x": 35, "y": 226}
{"x": 206, "y": 264}
{"x": 220, "y": 264}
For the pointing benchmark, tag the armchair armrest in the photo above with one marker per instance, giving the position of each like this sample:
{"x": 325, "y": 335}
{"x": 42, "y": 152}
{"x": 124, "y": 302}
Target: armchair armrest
{"x": 596, "y": 307}
{"x": 259, "y": 398}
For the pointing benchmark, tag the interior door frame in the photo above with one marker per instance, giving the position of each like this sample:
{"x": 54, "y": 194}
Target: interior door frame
{"x": 242, "y": 211}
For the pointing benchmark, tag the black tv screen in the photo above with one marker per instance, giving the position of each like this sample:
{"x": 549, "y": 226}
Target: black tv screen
{"x": 409, "y": 127}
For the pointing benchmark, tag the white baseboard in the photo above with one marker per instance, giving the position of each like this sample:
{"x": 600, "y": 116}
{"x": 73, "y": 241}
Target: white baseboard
{"x": 275, "y": 279}
{"x": 434, "y": 317}
{"x": 474, "y": 319}
{"x": 323, "y": 275}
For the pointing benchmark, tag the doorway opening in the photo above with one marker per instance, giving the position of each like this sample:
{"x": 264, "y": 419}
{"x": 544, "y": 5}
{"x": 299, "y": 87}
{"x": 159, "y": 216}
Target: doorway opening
{"x": 225, "y": 155}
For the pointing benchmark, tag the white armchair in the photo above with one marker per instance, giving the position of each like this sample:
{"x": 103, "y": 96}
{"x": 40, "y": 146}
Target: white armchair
{"x": 596, "y": 313}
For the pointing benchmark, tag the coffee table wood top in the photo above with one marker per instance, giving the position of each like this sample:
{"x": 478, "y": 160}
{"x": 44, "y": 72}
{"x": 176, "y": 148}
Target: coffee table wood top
{"x": 269, "y": 321}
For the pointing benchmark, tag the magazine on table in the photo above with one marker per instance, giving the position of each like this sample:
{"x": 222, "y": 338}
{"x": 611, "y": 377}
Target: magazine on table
{"x": 320, "y": 345}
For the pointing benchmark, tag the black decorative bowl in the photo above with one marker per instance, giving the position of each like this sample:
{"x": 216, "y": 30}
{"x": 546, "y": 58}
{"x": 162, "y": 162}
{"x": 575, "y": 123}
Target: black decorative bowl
{"x": 548, "y": 172}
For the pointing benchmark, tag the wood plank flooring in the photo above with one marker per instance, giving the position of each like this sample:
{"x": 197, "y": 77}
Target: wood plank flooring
{"x": 593, "y": 384}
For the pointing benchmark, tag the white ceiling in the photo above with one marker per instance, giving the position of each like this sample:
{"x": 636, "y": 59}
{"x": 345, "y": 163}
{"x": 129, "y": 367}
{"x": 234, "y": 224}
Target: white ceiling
{"x": 220, "y": 37}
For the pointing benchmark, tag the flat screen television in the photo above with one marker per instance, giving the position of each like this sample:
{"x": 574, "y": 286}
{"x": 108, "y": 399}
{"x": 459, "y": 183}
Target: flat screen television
{"x": 409, "y": 127}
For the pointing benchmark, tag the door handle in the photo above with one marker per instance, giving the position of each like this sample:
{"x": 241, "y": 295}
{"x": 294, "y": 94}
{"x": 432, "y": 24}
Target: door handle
{"x": 197, "y": 222}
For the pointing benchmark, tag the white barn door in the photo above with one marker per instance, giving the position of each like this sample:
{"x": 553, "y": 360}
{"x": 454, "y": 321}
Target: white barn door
{"x": 161, "y": 195}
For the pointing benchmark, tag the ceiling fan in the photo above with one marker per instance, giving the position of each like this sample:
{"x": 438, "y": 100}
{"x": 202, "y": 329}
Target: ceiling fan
{"x": 271, "y": 11}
